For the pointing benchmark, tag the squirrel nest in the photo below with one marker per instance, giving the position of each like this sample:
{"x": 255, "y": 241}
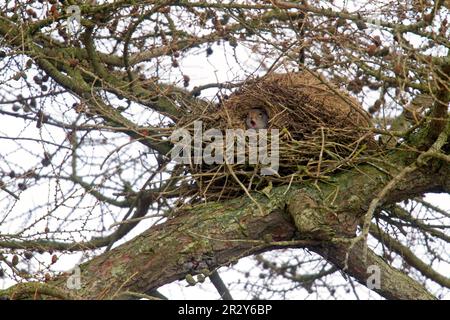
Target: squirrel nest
{"x": 322, "y": 129}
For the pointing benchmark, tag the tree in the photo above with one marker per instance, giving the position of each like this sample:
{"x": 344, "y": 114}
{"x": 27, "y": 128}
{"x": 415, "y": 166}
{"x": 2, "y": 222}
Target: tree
{"x": 90, "y": 92}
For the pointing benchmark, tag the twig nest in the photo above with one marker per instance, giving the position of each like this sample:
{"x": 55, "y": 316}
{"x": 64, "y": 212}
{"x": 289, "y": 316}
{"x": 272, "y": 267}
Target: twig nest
{"x": 322, "y": 129}
{"x": 302, "y": 103}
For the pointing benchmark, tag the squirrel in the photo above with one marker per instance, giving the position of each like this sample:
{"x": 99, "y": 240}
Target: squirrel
{"x": 257, "y": 119}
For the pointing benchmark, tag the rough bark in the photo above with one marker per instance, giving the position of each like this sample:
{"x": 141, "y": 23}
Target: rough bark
{"x": 394, "y": 284}
{"x": 199, "y": 240}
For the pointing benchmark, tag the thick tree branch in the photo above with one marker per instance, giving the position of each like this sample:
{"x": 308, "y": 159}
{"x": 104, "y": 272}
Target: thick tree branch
{"x": 409, "y": 256}
{"x": 394, "y": 284}
{"x": 200, "y": 240}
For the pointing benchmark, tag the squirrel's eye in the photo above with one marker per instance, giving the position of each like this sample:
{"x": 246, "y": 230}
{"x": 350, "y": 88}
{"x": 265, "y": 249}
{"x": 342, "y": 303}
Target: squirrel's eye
{"x": 260, "y": 114}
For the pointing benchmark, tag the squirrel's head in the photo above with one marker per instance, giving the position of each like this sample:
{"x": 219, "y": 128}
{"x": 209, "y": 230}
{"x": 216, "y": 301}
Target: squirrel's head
{"x": 257, "y": 119}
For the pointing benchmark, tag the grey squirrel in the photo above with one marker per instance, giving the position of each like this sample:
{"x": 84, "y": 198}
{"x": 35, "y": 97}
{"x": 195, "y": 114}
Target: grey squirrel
{"x": 257, "y": 119}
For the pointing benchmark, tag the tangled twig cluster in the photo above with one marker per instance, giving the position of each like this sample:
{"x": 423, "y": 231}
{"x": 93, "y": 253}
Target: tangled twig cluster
{"x": 322, "y": 129}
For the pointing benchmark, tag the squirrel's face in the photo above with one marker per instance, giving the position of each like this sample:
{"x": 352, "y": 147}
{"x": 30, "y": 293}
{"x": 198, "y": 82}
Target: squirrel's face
{"x": 257, "y": 119}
